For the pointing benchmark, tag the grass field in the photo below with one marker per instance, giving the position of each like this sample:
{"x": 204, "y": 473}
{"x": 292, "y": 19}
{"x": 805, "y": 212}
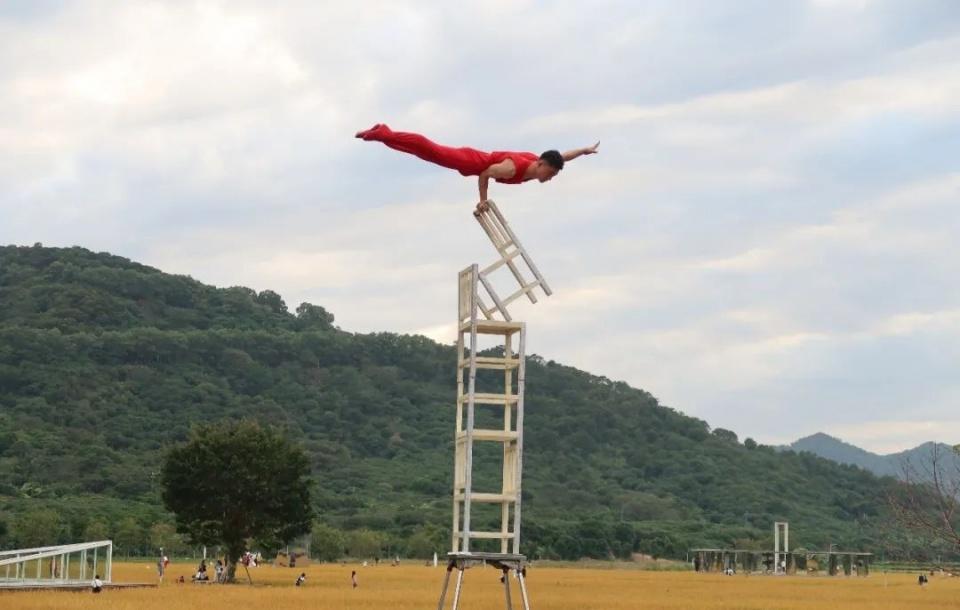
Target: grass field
{"x": 551, "y": 588}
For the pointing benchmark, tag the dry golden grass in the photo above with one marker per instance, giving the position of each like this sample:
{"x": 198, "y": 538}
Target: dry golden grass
{"x": 413, "y": 586}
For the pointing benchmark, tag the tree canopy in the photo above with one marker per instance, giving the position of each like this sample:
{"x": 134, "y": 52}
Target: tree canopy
{"x": 234, "y": 482}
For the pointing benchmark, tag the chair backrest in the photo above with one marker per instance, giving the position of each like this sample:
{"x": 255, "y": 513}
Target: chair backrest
{"x": 510, "y": 249}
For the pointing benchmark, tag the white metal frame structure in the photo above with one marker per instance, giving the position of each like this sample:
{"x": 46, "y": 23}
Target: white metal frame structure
{"x": 780, "y": 555}
{"x": 477, "y": 319}
{"x": 67, "y": 565}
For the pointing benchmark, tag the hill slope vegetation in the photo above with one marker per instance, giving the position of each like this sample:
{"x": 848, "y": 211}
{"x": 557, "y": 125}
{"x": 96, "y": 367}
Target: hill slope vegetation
{"x": 105, "y": 363}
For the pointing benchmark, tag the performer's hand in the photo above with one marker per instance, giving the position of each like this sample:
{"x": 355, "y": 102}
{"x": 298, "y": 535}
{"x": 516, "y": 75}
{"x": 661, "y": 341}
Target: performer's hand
{"x": 483, "y": 206}
{"x": 591, "y": 150}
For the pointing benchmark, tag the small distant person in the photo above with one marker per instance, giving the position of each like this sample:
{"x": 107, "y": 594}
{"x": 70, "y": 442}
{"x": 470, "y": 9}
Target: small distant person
{"x": 301, "y": 578}
{"x": 251, "y": 560}
{"x": 202, "y": 571}
{"x": 353, "y": 579}
{"x": 218, "y": 571}
{"x": 97, "y": 585}
{"x": 922, "y": 580}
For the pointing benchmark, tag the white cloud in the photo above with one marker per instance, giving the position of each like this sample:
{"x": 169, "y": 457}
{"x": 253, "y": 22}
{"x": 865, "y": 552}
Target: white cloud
{"x": 912, "y": 323}
{"x": 766, "y": 240}
{"x": 856, "y": 5}
{"x": 928, "y": 90}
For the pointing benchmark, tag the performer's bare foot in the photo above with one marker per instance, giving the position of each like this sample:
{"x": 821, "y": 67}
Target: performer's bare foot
{"x": 365, "y": 134}
{"x": 482, "y": 207}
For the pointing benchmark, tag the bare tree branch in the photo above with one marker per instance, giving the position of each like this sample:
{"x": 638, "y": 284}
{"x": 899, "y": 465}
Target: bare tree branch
{"x": 928, "y": 497}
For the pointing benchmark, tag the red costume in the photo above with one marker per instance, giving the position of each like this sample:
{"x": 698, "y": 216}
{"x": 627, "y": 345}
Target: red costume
{"x": 467, "y": 161}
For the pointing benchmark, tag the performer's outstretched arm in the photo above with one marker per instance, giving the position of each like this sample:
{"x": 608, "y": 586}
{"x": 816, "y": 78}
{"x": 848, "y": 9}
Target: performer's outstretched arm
{"x": 503, "y": 170}
{"x": 570, "y": 155}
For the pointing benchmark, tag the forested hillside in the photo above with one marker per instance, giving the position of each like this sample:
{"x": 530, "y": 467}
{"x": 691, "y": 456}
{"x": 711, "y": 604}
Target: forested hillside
{"x": 104, "y": 363}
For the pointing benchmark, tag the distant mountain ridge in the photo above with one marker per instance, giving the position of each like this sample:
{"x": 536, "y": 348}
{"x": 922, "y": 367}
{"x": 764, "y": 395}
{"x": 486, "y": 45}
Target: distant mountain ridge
{"x": 891, "y": 464}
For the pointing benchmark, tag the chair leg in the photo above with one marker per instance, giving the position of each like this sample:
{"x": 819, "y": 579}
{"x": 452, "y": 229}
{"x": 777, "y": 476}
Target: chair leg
{"x": 456, "y": 591}
{"x": 523, "y": 589}
{"x": 443, "y": 591}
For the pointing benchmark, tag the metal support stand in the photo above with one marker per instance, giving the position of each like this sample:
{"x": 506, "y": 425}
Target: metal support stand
{"x": 506, "y": 563}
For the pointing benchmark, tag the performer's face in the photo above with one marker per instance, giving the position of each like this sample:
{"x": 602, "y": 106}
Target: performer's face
{"x": 545, "y": 172}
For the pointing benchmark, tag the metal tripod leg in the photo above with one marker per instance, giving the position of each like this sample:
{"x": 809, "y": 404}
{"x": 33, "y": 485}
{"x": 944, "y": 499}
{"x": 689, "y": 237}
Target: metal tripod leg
{"x": 523, "y": 590}
{"x": 443, "y": 591}
{"x": 506, "y": 587}
{"x": 456, "y": 591}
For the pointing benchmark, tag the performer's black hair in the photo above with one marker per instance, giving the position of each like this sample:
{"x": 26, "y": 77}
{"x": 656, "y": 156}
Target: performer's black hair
{"x": 553, "y": 158}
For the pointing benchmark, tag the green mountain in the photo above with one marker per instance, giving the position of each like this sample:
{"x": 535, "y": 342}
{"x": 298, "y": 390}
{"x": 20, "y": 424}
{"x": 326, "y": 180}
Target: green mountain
{"x": 104, "y": 363}
{"x": 891, "y": 464}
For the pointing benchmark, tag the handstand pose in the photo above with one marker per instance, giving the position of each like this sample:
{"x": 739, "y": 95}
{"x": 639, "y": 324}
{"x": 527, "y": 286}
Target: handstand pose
{"x": 502, "y": 166}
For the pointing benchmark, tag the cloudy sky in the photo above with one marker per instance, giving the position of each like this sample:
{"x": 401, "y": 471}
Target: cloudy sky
{"x": 767, "y": 239}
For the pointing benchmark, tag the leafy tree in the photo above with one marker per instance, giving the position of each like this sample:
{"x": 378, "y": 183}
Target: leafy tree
{"x": 365, "y": 543}
{"x": 426, "y": 541}
{"x": 38, "y": 528}
{"x": 96, "y": 531}
{"x": 326, "y": 543}
{"x": 272, "y": 300}
{"x": 237, "y": 481}
{"x": 164, "y": 536}
{"x": 314, "y": 316}
{"x": 129, "y": 536}
{"x": 725, "y": 435}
